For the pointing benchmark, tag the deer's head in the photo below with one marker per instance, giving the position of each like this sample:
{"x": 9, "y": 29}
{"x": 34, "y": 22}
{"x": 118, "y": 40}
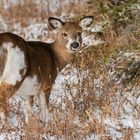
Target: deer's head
{"x": 70, "y": 33}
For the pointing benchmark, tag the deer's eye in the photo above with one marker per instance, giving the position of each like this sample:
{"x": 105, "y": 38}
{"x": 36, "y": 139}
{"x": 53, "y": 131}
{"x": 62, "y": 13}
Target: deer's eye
{"x": 65, "y": 34}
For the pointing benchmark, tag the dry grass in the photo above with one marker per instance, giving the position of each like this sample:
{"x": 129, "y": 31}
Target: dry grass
{"x": 98, "y": 97}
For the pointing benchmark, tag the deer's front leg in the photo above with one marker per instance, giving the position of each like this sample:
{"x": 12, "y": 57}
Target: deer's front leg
{"x": 45, "y": 115}
{"x": 27, "y": 109}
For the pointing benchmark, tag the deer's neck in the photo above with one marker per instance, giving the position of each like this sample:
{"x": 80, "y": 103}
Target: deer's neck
{"x": 63, "y": 57}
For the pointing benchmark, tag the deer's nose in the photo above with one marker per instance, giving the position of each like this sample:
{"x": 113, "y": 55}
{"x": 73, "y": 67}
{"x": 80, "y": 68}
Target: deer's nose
{"x": 75, "y": 45}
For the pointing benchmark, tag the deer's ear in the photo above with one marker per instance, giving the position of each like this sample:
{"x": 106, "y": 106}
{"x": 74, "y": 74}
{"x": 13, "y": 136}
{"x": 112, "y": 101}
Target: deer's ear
{"x": 55, "y": 23}
{"x": 86, "y": 21}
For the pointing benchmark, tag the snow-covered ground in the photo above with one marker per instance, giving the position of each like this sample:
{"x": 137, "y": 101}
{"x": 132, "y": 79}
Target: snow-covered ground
{"x": 126, "y": 102}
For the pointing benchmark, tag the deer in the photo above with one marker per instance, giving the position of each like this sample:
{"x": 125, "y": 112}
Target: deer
{"x": 29, "y": 68}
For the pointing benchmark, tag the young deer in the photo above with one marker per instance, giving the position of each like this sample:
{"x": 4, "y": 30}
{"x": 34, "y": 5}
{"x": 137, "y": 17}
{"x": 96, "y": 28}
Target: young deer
{"x": 29, "y": 68}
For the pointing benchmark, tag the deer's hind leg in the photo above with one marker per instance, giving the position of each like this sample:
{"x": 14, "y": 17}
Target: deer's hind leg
{"x": 13, "y": 68}
{"x": 6, "y": 91}
{"x": 28, "y": 108}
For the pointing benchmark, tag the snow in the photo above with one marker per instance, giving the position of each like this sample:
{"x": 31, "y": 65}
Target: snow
{"x": 2, "y": 136}
{"x": 92, "y": 137}
{"x": 31, "y": 32}
{"x": 70, "y": 76}
{"x": 3, "y": 25}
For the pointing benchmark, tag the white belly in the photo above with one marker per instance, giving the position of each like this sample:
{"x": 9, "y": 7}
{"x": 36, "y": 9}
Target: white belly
{"x": 29, "y": 86}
